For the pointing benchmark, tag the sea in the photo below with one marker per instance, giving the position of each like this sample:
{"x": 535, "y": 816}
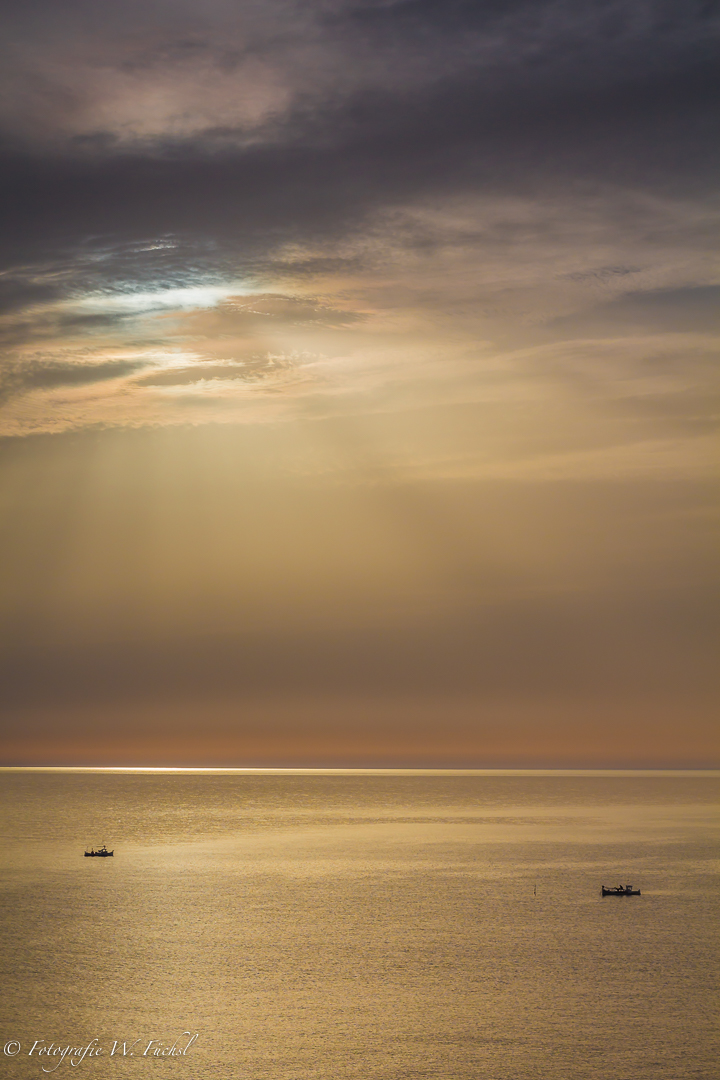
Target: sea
{"x": 359, "y": 925}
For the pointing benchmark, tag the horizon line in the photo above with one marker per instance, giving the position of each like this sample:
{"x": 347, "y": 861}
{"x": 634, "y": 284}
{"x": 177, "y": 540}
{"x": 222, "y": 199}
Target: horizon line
{"x": 339, "y": 770}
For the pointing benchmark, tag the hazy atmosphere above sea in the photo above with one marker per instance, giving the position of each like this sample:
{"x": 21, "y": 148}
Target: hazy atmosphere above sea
{"x": 358, "y": 383}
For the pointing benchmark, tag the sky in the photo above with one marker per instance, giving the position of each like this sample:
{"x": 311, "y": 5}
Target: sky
{"x": 358, "y": 385}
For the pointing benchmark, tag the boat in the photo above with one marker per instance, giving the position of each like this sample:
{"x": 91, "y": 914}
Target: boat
{"x": 101, "y": 853}
{"x": 620, "y": 890}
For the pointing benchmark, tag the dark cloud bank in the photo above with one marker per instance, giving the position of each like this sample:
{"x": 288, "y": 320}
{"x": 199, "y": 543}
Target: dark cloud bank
{"x": 436, "y": 99}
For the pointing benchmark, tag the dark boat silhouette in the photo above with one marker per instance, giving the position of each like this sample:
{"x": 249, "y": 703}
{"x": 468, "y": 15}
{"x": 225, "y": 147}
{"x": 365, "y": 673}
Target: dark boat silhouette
{"x": 620, "y": 890}
{"x": 101, "y": 853}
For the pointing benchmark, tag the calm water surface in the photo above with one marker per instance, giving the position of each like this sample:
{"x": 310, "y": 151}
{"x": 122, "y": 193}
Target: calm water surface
{"x": 361, "y": 926}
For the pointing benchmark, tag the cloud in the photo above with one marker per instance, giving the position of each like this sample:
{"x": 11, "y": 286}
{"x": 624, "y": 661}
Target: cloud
{"x": 568, "y": 305}
{"x": 241, "y": 75}
{"x": 380, "y": 105}
{"x": 690, "y": 309}
{"x": 430, "y": 204}
{"x": 51, "y": 374}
